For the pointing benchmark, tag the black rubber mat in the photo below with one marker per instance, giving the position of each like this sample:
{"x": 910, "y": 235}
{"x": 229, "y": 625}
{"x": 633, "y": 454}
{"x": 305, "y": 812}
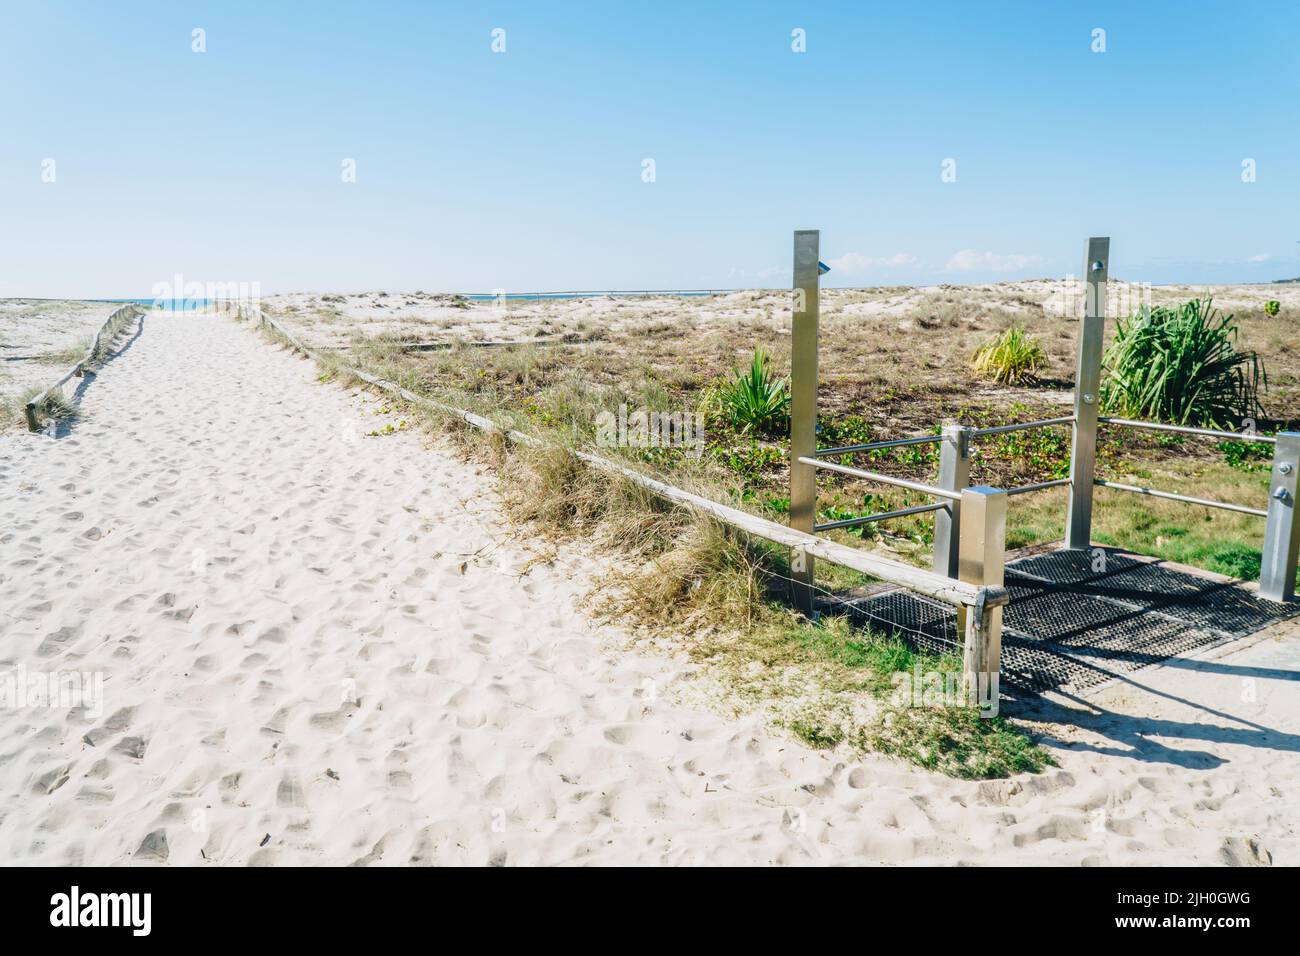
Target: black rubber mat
{"x": 1077, "y": 618}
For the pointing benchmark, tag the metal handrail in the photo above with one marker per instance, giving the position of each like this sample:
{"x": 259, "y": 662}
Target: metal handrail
{"x": 881, "y": 516}
{"x": 1225, "y": 505}
{"x": 1003, "y": 429}
{"x": 872, "y": 446}
{"x": 1185, "y": 430}
{"x": 1038, "y": 486}
{"x": 925, "y": 439}
{"x": 886, "y": 479}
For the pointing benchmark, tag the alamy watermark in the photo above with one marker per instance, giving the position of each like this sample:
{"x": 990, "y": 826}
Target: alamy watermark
{"x": 646, "y": 429}
{"x": 180, "y": 294}
{"x": 53, "y": 690}
{"x": 1122, "y": 298}
{"x": 932, "y": 688}
{"x": 129, "y": 910}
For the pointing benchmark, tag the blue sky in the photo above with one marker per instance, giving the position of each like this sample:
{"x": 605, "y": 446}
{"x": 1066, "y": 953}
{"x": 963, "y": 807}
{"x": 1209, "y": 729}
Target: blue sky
{"x": 523, "y": 170}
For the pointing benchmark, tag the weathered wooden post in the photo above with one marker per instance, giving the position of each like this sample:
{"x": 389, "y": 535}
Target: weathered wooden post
{"x": 803, "y": 408}
{"x": 982, "y": 559}
{"x": 1281, "y": 530}
{"x": 954, "y": 474}
{"x": 1087, "y": 395}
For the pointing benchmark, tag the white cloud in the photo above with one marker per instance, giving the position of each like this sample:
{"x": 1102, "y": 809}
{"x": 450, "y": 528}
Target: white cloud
{"x": 1262, "y": 257}
{"x": 855, "y": 263}
{"x": 968, "y": 260}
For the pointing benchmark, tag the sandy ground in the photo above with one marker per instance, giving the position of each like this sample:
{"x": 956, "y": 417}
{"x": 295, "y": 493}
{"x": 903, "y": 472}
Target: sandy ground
{"x": 322, "y": 647}
{"x": 334, "y": 320}
{"x": 34, "y": 331}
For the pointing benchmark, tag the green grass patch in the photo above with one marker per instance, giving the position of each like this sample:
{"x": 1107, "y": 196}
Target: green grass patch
{"x": 1247, "y": 455}
{"x": 956, "y": 742}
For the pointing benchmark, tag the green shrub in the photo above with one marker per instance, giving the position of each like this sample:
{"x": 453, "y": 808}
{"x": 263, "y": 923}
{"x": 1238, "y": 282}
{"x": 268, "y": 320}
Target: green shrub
{"x": 1272, "y": 307}
{"x": 1247, "y": 455}
{"x": 1010, "y": 358}
{"x": 1182, "y": 366}
{"x": 840, "y": 513}
{"x": 756, "y": 400}
{"x": 849, "y": 430}
{"x": 750, "y": 463}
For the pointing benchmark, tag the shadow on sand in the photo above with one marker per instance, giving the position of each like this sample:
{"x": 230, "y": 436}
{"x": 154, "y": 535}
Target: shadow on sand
{"x": 63, "y": 427}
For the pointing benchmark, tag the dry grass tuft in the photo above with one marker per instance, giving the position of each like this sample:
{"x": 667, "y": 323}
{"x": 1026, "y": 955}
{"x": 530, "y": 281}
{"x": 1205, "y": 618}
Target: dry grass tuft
{"x": 55, "y": 405}
{"x": 719, "y": 596}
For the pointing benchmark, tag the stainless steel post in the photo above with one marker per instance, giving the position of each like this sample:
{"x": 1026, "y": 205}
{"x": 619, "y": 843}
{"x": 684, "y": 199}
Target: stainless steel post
{"x": 982, "y": 561}
{"x": 1087, "y": 395}
{"x": 954, "y": 474}
{"x": 803, "y": 408}
{"x": 1281, "y": 530}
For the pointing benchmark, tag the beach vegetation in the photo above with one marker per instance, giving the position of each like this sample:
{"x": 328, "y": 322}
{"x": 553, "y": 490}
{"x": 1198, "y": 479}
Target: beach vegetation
{"x": 1010, "y": 358}
{"x": 1181, "y": 365}
{"x": 54, "y": 405}
{"x": 682, "y": 583}
{"x": 755, "y": 401}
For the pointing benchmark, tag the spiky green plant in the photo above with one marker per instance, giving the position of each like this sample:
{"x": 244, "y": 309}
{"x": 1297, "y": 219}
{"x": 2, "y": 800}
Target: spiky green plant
{"x": 1182, "y": 366}
{"x": 1010, "y": 358}
{"x": 756, "y": 400}
{"x": 1272, "y": 307}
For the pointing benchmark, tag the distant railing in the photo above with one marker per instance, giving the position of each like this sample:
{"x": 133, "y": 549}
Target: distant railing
{"x": 974, "y": 554}
{"x": 104, "y": 337}
{"x": 873, "y": 446}
{"x": 977, "y": 558}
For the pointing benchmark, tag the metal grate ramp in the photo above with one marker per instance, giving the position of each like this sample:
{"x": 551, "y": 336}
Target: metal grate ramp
{"x": 1069, "y": 626}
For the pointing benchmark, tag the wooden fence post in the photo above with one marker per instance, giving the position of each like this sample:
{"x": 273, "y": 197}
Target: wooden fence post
{"x": 982, "y": 560}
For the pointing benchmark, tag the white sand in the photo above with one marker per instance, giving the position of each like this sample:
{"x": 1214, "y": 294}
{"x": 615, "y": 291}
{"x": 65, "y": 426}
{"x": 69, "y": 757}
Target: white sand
{"x": 324, "y": 648}
{"x": 34, "y": 333}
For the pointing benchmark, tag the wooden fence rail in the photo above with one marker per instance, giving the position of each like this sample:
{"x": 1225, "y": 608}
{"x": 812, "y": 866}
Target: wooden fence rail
{"x": 980, "y": 599}
{"x": 115, "y": 323}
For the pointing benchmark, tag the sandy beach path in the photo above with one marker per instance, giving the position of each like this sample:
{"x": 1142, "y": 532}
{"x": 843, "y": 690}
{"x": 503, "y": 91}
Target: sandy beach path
{"x": 318, "y": 637}
{"x": 320, "y": 647}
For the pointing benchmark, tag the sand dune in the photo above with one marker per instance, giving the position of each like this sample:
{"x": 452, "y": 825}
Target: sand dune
{"x": 322, "y": 647}
{"x": 38, "y": 338}
{"x": 335, "y": 320}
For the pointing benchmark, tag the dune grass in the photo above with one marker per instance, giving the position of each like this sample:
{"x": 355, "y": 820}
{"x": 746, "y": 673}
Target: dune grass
{"x": 723, "y": 598}
{"x": 69, "y": 355}
{"x": 54, "y": 405}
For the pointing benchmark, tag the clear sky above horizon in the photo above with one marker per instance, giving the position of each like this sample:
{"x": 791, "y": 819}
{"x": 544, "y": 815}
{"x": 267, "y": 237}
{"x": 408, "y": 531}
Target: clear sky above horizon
{"x": 524, "y": 170}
